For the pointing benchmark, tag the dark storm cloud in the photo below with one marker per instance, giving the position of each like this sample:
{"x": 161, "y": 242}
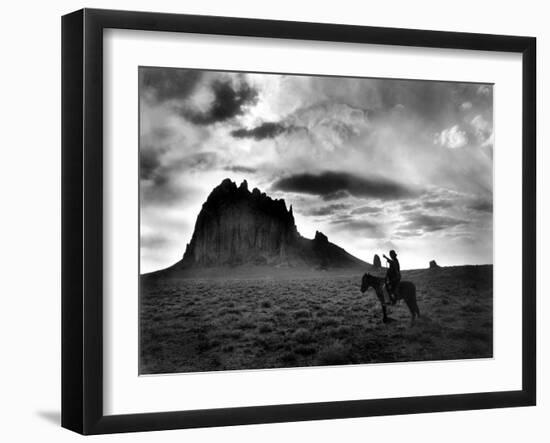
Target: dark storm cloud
{"x": 162, "y": 133}
{"x": 148, "y": 164}
{"x": 329, "y": 183}
{"x": 437, "y": 204}
{"x": 160, "y": 193}
{"x": 356, "y": 224}
{"x": 158, "y": 181}
{"x": 261, "y": 132}
{"x": 327, "y": 210}
{"x": 338, "y": 195}
{"x": 201, "y": 161}
{"x": 240, "y": 169}
{"x": 409, "y": 206}
{"x": 422, "y": 222}
{"x": 166, "y": 84}
{"x": 152, "y": 241}
{"x": 366, "y": 210}
{"x": 340, "y": 120}
{"x": 430, "y": 99}
{"x": 364, "y": 228}
{"x": 482, "y": 206}
{"x": 152, "y": 168}
{"x": 229, "y": 102}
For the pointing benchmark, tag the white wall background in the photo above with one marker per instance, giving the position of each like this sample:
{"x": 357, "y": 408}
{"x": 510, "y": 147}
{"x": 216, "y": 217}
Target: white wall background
{"x": 30, "y": 219}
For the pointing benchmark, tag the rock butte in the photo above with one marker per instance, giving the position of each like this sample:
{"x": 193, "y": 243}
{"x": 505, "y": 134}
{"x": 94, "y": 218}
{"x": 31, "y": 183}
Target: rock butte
{"x": 237, "y": 227}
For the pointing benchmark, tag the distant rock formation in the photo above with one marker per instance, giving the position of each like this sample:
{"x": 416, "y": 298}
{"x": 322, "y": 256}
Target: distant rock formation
{"x": 433, "y": 264}
{"x": 238, "y": 227}
{"x": 376, "y": 263}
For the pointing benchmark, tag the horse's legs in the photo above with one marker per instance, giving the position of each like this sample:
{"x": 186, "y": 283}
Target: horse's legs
{"x": 412, "y": 309}
{"x": 380, "y": 295}
{"x": 415, "y": 312}
{"x": 384, "y": 313}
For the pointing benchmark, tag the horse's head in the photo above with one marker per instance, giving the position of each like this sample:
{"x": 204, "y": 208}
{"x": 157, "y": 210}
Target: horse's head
{"x": 365, "y": 282}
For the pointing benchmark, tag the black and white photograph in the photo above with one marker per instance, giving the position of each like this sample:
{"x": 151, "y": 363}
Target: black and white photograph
{"x": 244, "y": 222}
{"x": 301, "y": 220}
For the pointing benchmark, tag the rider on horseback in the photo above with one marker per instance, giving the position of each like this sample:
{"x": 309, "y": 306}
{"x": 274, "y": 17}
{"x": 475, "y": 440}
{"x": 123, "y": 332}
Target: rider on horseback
{"x": 393, "y": 276}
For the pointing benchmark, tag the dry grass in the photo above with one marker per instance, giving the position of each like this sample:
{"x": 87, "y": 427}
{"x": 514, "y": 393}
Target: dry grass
{"x": 189, "y": 325}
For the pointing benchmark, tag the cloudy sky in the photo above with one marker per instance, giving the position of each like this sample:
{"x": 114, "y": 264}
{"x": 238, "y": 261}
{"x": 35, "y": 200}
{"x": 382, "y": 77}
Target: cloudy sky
{"x": 375, "y": 164}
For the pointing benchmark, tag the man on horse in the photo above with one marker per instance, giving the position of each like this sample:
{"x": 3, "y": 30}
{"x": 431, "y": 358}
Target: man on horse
{"x": 393, "y": 276}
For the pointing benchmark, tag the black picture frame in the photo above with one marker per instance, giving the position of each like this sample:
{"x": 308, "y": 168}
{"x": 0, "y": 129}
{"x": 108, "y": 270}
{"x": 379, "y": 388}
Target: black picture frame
{"x": 82, "y": 220}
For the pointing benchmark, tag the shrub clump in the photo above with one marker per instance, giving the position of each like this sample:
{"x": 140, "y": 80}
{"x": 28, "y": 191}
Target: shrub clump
{"x": 301, "y": 313}
{"x": 302, "y": 336}
{"x": 266, "y": 304}
{"x": 288, "y": 358}
{"x": 341, "y": 332}
{"x": 246, "y": 324}
{"x": 265, "y": 328}
{"x": 335, "y": 354}
{"x": 328, "y": 322}
{"x": 305, "y": 350}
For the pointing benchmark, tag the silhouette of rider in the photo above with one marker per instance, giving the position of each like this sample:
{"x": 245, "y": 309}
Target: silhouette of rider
{"x": 393, "y": 276}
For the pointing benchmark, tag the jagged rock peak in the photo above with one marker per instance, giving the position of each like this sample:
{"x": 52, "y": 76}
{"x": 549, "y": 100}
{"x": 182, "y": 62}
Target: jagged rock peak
{"x": 228, "y": 192}
{"x": 320, "y": 237}
{"x": 238, "y": 226}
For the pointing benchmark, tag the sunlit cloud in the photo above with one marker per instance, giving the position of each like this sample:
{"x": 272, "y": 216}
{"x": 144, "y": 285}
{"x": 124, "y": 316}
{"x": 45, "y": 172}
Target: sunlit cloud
{"x": 452, "y": 138}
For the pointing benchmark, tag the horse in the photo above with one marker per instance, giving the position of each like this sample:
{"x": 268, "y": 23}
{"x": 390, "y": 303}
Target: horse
{"x": 406, "y": 290}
